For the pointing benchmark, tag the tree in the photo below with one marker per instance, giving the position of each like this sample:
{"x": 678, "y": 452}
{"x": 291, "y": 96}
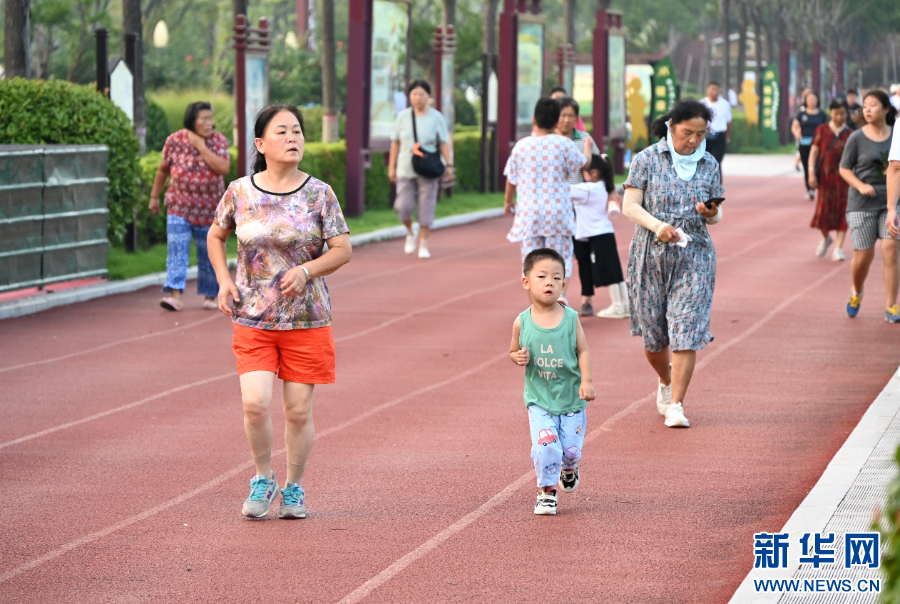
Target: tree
{"x": 133, "y": 24}
{"x": 17, "y": 39}
{"x": 329, "y": 73}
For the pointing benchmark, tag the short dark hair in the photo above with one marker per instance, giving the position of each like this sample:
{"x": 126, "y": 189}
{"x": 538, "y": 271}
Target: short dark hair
{"x": 838, "y": 104}
{"x": 556, "y": 89}
{"x": 713, "y": 83}
{"x": 602, "y": 164}
{"x": 567, "y": 101}
{"x": 685, "y": 109}
{"x": 815, "y": 94}
{"x": 546, "y": 113}
{"x": 259, "y": 128}
{"x": 423, "y": 84}
{"x": 193, "y": 112}
{"x": 852, "y": 91}
{"x": 542, "y": 253}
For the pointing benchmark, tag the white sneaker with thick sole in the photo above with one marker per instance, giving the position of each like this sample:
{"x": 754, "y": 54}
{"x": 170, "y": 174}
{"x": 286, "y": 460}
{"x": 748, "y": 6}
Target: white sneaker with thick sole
{"x": 614, "y": 311}
{"x": 675, "y": 416}
{"x": 546, "y": 503}
{"x": 663, "y": 398}
{"x": 838, "y": 255}
{"x": 410, "y": 246}
{"x": 423, "y": 252}
{"x": 823, "y": 246}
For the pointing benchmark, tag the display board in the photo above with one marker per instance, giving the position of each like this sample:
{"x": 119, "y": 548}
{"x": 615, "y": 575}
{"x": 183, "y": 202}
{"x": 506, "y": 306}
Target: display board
{"x": 792, "y": 85}
{"x": 665, "y": 88}
{"x": 530, "y": 71}
{"x": 638, "y": 92}
{"x": 617, "y": 106}
{"x": 583, "y": 89}
{"x": 256, "y": 91}
{"x": 390, "y": 66}
{"x": 771, "y": 106}
{"x": 448, "y": 88}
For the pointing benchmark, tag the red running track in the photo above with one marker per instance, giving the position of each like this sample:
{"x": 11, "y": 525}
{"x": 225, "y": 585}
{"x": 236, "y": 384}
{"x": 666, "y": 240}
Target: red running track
{"x": 124, "y": 463}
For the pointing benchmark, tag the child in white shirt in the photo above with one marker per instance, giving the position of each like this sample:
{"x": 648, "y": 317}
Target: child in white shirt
{"x": 595, "y": 203}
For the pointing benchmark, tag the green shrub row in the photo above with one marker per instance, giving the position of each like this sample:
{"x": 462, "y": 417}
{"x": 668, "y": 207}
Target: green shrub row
{"x": 743, "y": 134}
{"x": 54, "y": 112}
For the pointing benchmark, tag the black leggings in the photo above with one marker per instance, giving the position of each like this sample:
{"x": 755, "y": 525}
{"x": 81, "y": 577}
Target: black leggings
{"x": 804, "y": 159}
{"x": 585, "y": 272}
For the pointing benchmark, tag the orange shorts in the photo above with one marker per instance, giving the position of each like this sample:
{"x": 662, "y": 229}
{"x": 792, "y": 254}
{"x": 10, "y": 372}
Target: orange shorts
{"x": 305, "y": 356}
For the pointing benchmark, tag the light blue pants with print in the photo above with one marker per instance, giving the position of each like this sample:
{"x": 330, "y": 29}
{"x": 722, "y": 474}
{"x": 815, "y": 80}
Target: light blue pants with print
{"x": 178, "y": 238}
{"x": 556, "y": 442}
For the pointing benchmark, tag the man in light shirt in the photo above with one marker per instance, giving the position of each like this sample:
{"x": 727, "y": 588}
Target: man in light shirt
{"x": 720, "y": 127}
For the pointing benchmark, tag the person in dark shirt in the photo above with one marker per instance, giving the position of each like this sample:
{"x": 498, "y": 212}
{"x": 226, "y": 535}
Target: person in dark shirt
{"x": 855, "y": 119}
{"x": 804, "y": 129}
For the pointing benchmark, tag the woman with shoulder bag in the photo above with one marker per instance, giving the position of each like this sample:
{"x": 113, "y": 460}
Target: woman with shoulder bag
{"x": 418, "y": 142}
{"x": 825, "y": 178}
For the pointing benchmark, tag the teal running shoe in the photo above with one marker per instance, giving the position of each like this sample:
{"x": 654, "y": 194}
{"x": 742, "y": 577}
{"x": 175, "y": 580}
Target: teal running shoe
{"x": 293, "y": 502}
{"x": 853, "y": 305}
{"x": 262, "y": 493}
{"x": 892, "y": 314}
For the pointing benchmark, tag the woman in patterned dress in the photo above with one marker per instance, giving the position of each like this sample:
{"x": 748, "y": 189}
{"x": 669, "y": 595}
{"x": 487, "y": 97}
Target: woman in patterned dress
{"x": 279, "y": 303}
{"x": 831, "y": 205}
{"x": 672, "y": 264}
{"x": 194, "y": 160}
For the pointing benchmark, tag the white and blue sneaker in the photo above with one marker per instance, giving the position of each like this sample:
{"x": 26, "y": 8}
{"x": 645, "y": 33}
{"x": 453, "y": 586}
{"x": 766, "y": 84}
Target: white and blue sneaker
{"x": 293, "y": 501}
{"x": 262, "y": 493}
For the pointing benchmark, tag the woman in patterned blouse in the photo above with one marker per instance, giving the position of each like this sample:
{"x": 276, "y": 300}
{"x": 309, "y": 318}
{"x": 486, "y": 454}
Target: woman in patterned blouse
{"x": 279, "y": 303}
{"x": 672, "y": 265}
{"x": 194, "y": 159}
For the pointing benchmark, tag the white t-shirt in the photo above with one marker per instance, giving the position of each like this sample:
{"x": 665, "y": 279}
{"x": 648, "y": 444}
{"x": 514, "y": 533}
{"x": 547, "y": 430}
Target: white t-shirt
{"x": 895, "y": 101}
{"x": 721, "y": 110}
{"x": 894, "y": 153}
{"x": 591, "y": 217}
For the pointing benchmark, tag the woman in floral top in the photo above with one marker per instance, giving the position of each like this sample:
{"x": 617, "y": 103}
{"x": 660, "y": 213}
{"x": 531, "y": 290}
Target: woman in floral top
{"x": 279, "y": 303}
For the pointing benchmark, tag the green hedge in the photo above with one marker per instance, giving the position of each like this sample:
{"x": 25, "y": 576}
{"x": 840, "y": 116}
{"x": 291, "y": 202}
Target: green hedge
{"x": 53, "y": 112}
{"x": 743, "y": 134}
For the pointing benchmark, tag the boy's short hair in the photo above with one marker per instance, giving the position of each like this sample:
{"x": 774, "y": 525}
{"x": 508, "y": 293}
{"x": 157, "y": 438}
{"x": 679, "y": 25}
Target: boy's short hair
{"x": 542, "y": 253}
{"x": 546, "y": 113}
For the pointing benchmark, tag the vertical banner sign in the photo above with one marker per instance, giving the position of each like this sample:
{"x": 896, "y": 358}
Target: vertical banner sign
{"x": 824, "y": 81}
{"x": 665, "y": 88}
{"x": 390, "y": 36}
{"x": 617, "y": 128}
{"x": 771, "y": 106}
{"x": 530, "y": 76}
{"x": 792, "y": 86}
{"x": 448, "y": 83}
{"x": 583, "y": 89}
{"x": 256, "y": 91}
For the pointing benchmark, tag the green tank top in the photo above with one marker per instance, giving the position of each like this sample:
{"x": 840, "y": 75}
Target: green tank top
{"x": 552, "y": 376}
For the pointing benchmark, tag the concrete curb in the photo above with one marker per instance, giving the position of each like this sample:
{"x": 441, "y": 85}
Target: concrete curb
{"x": 823, "y": 500}
{"x": 35, "y": 304}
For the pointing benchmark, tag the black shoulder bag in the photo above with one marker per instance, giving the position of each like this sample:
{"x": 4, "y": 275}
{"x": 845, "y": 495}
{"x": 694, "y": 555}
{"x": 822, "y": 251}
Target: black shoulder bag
{"x": 428, "y": 164}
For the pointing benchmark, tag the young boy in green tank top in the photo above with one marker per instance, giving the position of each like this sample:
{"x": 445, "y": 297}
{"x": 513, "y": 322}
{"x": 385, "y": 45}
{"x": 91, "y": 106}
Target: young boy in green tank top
{"x": 548, "y": 341}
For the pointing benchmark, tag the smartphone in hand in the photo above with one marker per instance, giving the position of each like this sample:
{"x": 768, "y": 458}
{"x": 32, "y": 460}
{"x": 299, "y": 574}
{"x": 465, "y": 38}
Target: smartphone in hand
{"x": 715, "y": 200}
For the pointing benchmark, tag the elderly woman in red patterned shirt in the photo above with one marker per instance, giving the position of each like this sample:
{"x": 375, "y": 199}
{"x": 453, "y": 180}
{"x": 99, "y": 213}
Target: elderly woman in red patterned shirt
{"x": 194, "y": 160}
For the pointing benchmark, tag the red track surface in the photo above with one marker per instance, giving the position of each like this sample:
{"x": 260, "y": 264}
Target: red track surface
{"x": 124, "y": 465}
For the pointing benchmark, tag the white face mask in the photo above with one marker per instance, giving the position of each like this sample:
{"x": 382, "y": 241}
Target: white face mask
{"x": 685, "y": 165}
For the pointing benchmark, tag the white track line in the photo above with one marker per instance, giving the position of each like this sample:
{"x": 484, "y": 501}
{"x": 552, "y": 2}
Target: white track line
{"x": 401, "y": 563}
{"x": 232, "y": 374}
{"x": 228, "y": 474}
{"x": 110, "y": 345}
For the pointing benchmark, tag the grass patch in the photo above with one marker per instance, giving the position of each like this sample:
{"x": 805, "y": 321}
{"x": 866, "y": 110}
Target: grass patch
{"x": 124, "y": 265}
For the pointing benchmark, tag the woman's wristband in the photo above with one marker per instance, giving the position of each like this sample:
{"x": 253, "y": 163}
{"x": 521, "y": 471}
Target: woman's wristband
{"x": 305, "y": 270}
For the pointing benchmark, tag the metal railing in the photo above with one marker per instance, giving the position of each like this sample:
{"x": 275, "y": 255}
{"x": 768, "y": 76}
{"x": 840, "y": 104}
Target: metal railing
{"x": 53, "y": 214}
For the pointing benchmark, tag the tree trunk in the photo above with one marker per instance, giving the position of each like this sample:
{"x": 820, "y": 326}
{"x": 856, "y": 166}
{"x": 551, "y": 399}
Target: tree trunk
{"x": 17, "y": 39}
{"x": 570, "y": 12}
{"x": 132, "y": 21}
{"x": 449, "y": 13}
{"x": 742, "y": 46}
{"x": 330, "y": 132}
{"x": 489, "y": 34}
{"x": 725, "y": 26}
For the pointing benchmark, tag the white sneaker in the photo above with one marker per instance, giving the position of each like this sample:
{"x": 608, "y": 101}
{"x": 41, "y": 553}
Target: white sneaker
{"x": 838, "y": 255}
{"x": 423, "y": 252}
{"x": 663, "y": 398}
{"x": 546, "y": 503}
{"x": 823, "y": 246}
{"x": 675, "y": 416}
{"x": 410, "y": 246}
{"x": 614, "y": 311}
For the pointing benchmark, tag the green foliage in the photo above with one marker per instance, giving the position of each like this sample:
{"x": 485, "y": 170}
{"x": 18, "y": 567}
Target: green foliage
{"x": 887, "y": 522}
{"x": 743, "y": 134}
{"x": 465, "y": 112}
{"x": 63, "y": 44}
{"x": 312, "y": 123}
{"x": 157, "y": 126}
{"x": 466, "y": 159}
{"x": 39, "y": 112}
